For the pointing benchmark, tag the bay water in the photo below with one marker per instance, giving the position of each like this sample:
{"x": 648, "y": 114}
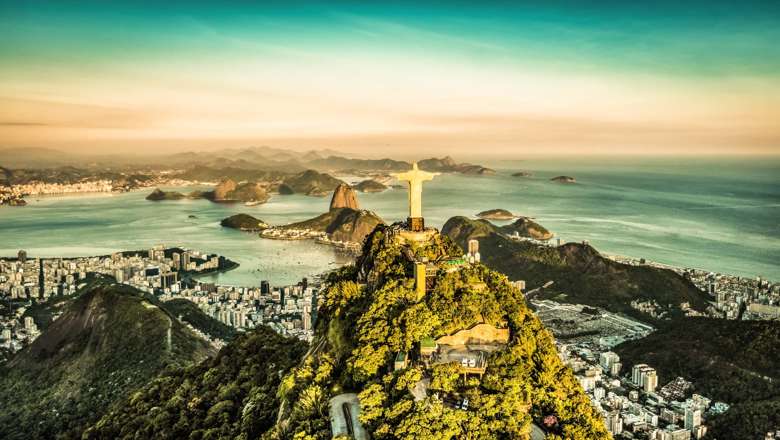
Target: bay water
{"x": 715, "y": 213}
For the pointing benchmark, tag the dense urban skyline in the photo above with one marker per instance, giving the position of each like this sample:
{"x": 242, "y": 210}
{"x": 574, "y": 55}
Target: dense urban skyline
{"x": 692, "y": 77}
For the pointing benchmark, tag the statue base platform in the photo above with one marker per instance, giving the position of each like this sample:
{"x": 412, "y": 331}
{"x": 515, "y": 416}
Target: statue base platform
{"x": 407, "y": 237}
{"x": 415, "y": 224}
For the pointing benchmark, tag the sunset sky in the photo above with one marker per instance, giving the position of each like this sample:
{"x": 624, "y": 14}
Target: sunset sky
{"x": 498, "y": 77}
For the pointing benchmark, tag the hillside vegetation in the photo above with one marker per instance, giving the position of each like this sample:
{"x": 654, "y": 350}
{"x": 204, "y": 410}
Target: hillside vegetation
{"x": 581, "y": 275}
{"x": 370, "y": 312}
{"x": 230, "y": 396}
{"x": 108, "y": 341}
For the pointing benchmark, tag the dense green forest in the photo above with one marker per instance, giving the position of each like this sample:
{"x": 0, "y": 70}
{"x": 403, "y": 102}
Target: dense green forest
{"x": 230, "y": 396}
{"x": 580, "y": 274}
{"x": 187, "y": 311}
{"x": 370, "y": 312}
{"x": 108, "y": 341}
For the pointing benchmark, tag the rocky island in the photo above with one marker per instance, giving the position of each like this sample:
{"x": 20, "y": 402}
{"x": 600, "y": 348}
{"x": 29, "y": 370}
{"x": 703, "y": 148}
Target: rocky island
{"x": 448, "y": 165}
{"x": 564, "y": 179}
{"x": 226, "y": 191}
{"x": 244, "y": 222}
{"x": 496, "y": 214}
{"x": 229, "y": 191}
{"x": 343, "y": 197}
{"x": 159, "y": 195}
{"x": 523, "y": 174}
{"x": 370, "y": 186}
{"x": 525, "y": 227}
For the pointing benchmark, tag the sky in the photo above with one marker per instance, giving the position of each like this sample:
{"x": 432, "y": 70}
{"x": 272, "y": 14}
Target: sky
{"x": 677, "y": 77}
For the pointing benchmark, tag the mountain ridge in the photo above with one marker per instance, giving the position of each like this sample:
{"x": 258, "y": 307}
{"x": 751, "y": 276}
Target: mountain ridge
{"x": 109, "y": 340}
{"x": 580, "y": 273}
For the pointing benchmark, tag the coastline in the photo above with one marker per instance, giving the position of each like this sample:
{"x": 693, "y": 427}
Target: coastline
{"x": 693, "y": 238}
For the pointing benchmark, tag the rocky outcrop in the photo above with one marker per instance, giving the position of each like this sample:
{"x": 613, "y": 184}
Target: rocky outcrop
{"x": 229, "y": 192}
{"x": 223, "y": 190}
{"x": 525, "y": 227}
{"x": 343, "y": 221}
{"x": 523, "y": 174}
{"x": 448, "y": 165}
{"x": 369, "y": 186}
{"x": 341, "y": 224}
{"x": 159, "y": 195}
{"x": 244, "y": 222}
{"x": 564, "y": 179}
{"x": 344, "y": 197}
{"x": 352, "y": 226}
{"x": 496, "y": 214}
{"x": 250, "y": 192}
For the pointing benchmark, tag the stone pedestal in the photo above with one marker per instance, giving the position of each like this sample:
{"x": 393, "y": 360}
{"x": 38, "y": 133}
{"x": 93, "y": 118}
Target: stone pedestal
{"x": 416, "y": 224}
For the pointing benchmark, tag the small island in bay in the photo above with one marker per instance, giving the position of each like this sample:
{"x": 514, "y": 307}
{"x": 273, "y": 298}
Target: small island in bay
{"x": 564, "y": 179}
{"x": 523, "y": 174}
{"x": 525, "y": 227}
{"x": 244, "y": 222}
{"x": 370, "y": 186}
{"x": 159, "y": 195}
{"x": 496, "y": 214}
{"x": 227, "y": 191}
{"x": 448, "y": 165}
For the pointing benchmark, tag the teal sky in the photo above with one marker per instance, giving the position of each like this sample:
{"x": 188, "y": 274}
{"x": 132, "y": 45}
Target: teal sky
{"x": 665, "y": 76}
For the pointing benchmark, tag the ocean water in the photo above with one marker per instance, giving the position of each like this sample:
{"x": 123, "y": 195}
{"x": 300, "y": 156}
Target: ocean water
{"x": 719, "y": 214}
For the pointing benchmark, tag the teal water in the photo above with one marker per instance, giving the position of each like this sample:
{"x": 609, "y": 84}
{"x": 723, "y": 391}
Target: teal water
{"x": 716, "y": 214}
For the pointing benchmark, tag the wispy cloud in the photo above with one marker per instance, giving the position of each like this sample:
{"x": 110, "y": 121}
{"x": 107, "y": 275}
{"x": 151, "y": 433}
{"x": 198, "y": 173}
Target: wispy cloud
{"x": 22, "y": 124}
{"x": 392, "y": 30}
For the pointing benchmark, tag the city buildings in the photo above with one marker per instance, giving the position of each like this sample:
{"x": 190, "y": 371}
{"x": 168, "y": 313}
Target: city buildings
{"x": 731, "y": 296}
{"x": 168, "y": 273}
{"x": 627, "y": 396}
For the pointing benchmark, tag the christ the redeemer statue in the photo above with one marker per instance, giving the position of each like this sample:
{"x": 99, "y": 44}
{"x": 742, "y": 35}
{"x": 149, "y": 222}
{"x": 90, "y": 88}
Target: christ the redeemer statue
{"x": 415, "y": 177}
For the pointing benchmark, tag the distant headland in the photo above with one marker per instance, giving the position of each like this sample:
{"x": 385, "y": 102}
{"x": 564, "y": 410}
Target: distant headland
{"x": 564, "y": 179}
{"x": 496, "y": 214}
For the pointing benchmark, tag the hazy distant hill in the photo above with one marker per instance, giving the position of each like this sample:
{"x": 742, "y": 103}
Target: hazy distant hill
{"x": 445, "y": 165}
{"x": 343, "y": 163}
{"x": 448, "y": 165}
{"x": 579, "y": 272}
{"x": 206, "y": 173}
{"x": 732, "y": 361}
{"x": 108, "y": 341}
{"x": 35, "y": 158}
{"x": 5, "y": 176}
{"x": 310, "y": 183}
